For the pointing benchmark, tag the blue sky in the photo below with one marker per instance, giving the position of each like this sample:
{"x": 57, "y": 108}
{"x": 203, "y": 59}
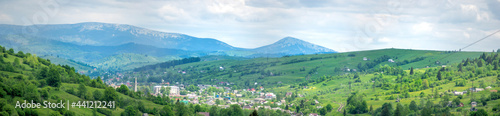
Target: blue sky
{"x": 340, "y": 25}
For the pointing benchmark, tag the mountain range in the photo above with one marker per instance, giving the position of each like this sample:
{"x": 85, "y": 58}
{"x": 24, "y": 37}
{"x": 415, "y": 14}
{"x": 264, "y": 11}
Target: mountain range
{"x": 105, "y": 45}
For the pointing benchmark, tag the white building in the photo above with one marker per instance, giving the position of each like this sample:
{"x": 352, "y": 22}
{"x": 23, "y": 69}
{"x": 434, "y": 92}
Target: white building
{"x": 174, "y": 90}
{"x": 458, "y": 93}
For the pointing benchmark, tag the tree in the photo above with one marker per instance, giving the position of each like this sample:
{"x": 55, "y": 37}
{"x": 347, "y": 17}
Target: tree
{"x": 43, "y": 73}
{"x": 123, "y": 89}
{"x": 456, "y": 101}
{"x": 193, "y": 88}
{"x": 411, "y": 71}
{"x": 399, "y": 110}
{"x": 425, "y": 84}
{"x": 110, "y": 94}
{"x": 97, "y": 95}
{"x": 495, "y": 65}
{"x": 439, "y": 75}
{"x": 167, "y": 111}
{"x": 426, "y": 111}
{"x": 183, "y": 92}
{"x": 11, "y": 51}
{"x": 322, "y": 111}
{"x": 130, "y": 111}
{"x": 165, "y": 90}
{"x": 197, "y": 108}
{"x": 356, "y": 104}
{"x": 236, "y": 110}
{"x": 16, "y": 62}
{"x": 54, "y": 78}
{"x": 480, "y": 63}
{"x": 480, "y": 112}
{"x": 386, "y": 109}
{"x": 413, "y": 106}
{"x": 181, "y": 109}
{"x": 297, "y": 109}
{"x": 31, "y": 93}
{"x": 371, "y": 108}
{"x": 82, "y": 91}
{"x": 254, "y": 113}
{"x": 329, "y": 107}
{"x": 213, "y": 111}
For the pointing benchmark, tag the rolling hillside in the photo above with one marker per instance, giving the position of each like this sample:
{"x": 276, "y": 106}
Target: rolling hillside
{"x": 268, "y": 72}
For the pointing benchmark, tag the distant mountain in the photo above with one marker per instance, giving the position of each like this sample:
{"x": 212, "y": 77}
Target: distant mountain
{"x": 104, "y": 34}
{"x": 120, "y": 46}
{"x": 291, "y": 46}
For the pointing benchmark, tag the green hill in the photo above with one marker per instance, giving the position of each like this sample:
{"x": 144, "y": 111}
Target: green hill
{"x": 268, "y": 72}
{"x": 421, "y": 78}
{"x": 34, "y": 79}
{"x": 331, "y": 79}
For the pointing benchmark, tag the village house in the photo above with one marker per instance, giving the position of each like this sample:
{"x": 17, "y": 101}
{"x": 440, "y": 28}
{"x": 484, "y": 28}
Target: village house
{"x": 473, "y": 104}
{"x": 283, "y": 101}
{"x": 259, "y": 100}
{"x": 174, "y": 90}
{"x": 461, "y": 105}
{"x": 247, "y": 107}
{"x": 458, "y": 93}
{"x": 313, "y": 114}
{"x": 270, "y": 96}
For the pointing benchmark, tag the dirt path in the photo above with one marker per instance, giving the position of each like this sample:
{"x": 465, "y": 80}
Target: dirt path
{"x": 341, "y": 106}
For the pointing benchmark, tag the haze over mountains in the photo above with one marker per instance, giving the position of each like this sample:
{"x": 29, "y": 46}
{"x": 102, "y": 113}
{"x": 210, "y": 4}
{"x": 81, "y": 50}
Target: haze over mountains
{"x": 104, "y": 45}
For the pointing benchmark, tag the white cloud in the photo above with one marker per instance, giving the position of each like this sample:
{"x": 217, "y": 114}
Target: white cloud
{"x": 423, "y": 27}
{"x": 340, "y": 25}
{"x": 5, "y": 18}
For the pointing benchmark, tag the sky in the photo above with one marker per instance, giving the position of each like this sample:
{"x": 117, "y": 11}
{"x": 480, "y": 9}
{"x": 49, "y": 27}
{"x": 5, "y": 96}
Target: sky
{"x": 341, "y": 25}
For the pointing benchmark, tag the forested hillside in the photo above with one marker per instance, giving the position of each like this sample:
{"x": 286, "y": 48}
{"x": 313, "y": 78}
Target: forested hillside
{"x": 273, "y": 72}
{"x": 465, "y": 88}
{"x": 24, "y": 76}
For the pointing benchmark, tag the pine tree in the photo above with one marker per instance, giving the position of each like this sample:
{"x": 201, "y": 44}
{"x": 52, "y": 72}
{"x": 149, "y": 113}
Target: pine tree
{"x": 413, "y": 106}
{"x": 480, "y": 63}
{"x": 254, "y": 113}
{"x": 439, "y": 75}
{"x": 495, "y": 65}
{"x": 411, "y": 71}
{"x": 399, "y": 110}
{"x": 386, "y": 109}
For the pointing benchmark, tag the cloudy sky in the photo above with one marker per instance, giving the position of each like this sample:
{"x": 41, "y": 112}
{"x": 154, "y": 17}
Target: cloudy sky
{"x": 342, "y": 25}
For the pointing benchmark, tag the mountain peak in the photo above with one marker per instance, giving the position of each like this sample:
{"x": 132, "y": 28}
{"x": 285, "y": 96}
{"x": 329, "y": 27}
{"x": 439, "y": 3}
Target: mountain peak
{"x": 290, "y": 40}
{"x": 291, "y": 45}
